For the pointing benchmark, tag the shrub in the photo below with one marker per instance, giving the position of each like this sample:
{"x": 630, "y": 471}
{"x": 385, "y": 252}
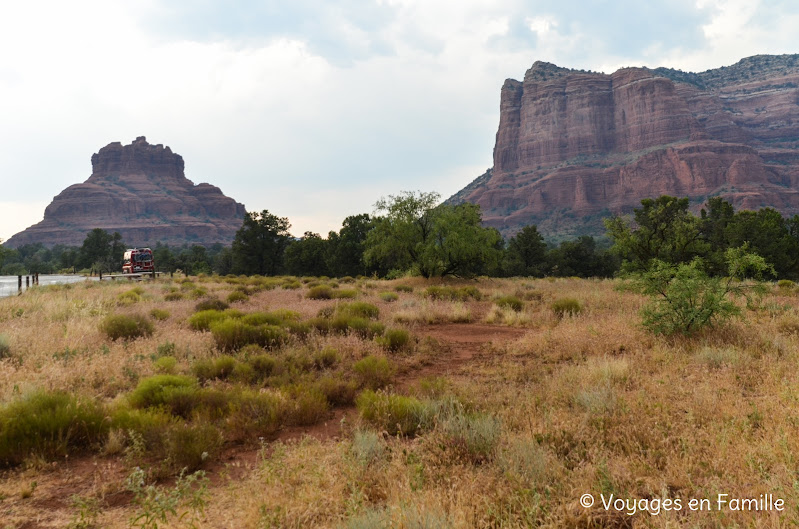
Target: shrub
{"x": 403, "y": 288}
{"x": 237, "y": 296}
{"x": 320, "y": 292}
{"x": 566, "y": 307}
{"x": 261, "y": 318}
{"x": 159, "y": 314}
{"x": 292, "y": 285}
{"x": 189, "y": 446}
{"x": 326, "y": 358}
{"x": 453, "y": 294}
{"x": 393, "y": 413}
{"x": 345, "y": 293}
{"x": 197, "y": 293}
{"x": 388, "y": 297}
{"x": 786, "y": 285}
{"x": 263, "y": 365}
{"x": 685, "y": 299}
{"x": 211, "y": 304}
{"x": 286, "y": 315}
{"x": 359, "y": 309}
{"x": 374, "y": 372}
{"x": 5, "y": 347}
{"x": 166, "y": 365}
{"x": 523, "y": 460}
{"x": 219, "y": 368}
{"x": 49, "y": 425}
{"x": 472, "y": 436}
{"x": 173, "y": 296}
{"x": 337, "y": 391}
{"x": 231, "y": 335}
{"x": 368, "y": 447}
{"x": 308, "y": 405}
{"x": 119, "y": 326}
{"x": 255, "y": 415}
{"x": 165, "y": 349}
{"x": 128, "y": 298}
{"x": 510, "y": 302}
{"x": 201, "y": 321}
{"x": 395, "y": 340}
{"x": 159, "y": 390}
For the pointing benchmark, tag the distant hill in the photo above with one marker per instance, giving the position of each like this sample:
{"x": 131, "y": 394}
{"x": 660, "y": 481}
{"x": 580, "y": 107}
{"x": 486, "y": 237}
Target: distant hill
{"x": 574, "y": 146}
{"x": 140, "y": 191}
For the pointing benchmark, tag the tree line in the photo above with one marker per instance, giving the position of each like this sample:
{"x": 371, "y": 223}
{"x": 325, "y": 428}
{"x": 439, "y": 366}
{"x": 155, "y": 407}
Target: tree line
{"x": 411, "y": 233}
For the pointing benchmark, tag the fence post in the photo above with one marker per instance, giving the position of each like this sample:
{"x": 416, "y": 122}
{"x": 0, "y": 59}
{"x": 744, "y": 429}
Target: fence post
{"x": 19, "y": 283}
{"x": 27, "y": 281}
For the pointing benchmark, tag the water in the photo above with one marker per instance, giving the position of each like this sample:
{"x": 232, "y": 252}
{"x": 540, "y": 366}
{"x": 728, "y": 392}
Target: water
{"x": 8, "y": 284}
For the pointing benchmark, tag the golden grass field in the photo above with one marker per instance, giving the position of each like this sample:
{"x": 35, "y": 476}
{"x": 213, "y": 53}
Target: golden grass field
{"x": 515, "y": 415}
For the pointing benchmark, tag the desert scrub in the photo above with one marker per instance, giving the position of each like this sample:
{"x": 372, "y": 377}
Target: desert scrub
{"x": 128, "y": 298}
{"x": 368, "y": 448}
{"x": 359, "y": 309}
{"x": 211, "y": 304}
{"x": 201, "y": 321}
{"x": 218, "y": 368}
{"x": 306, "y": 405}
{"x": 510, "y": 302}
{"x": 396, "y": 414}
{"x": 159, "y": 314}
{"x": 403, "y": 288}
{"x": 173, "y": 296}
{"x": 453, "y": 294}
{"x": 374, "y": 372}
{"x": 160, "y": 390}
{"x": 471, "y": 436}
{"x": 166, "y": 365}
{"x": 388, "y": 297}
{"x": 120, "y": 326}
{"x": 395, "y": 340}
{"x": 231, "y": 335}
{"x": 320, "y": 292}
{"x": 566, "y": 307}
{"x": 254, "y": 415}
{"x": 237, "y": 296}
{"x": 5, "y": 347}
{"x": 49, "y": 425}
{"x": 326, "y": 358}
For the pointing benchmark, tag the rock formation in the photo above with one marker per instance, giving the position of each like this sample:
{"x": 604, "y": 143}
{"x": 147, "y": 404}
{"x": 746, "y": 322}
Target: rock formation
{"x": 575, "y": 146}
{"x": 140, "y": 191}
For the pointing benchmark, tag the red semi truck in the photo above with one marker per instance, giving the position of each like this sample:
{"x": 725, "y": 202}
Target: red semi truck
{"x": 138, "y": 260}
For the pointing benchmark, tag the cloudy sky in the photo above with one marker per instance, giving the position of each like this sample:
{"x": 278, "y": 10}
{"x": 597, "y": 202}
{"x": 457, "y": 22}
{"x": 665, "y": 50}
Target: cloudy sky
{"x": 313, "y": 109}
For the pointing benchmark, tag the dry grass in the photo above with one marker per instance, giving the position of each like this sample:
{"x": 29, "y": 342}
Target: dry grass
{"x": 588, "y": 403}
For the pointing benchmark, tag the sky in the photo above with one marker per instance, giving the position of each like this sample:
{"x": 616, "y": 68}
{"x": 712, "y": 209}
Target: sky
{"x": 314, "y": 109}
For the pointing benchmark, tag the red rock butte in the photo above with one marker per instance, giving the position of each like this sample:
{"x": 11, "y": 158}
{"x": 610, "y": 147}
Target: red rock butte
{"x": 576, "y": 146}
{"x": 140, "y": 191}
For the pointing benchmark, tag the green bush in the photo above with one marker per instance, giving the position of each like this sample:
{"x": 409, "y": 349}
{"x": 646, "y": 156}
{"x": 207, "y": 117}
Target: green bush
{"x": 374, "y": 372}
{"x": 326, "y": 358}
{"x": 201, "y": 321}
{"x": 5, "y": 347}
{"x": 320, "y": 292}
{"x": 292, "y": 285}
{"x": 218, "y": 368}
{"x": 261, "y": 318}
{"x": 308, "y": 405}
{"x": 128, "y": 298}
{"x": 159, "y": 314}
{"x": 786, "y": 285}
{"x": 395, "y": 340}
{"x": 119, "y": 326}
{"x": 49, "y": 425}
{"x": 286, "y": 315}
{"x": 395, "y": 414}
{"x": 231, "y": 335}
{"x": 338, "y": 392}
{"x": 255, "y": 415}
{"x": 264, "y": 365}
{"x": 345, "y": 293}
{"x": 388, "y": 297}
{"x": 452, "y": 293}
{"x": 211, "y": 304}
{"x": 403, "y": 288}
{"x": 159, "y": 390}
{"x": 510, "y": 302}
{"x": 190, "y": 446}
{"x": 359, "y": 309}
{"x": 173, "y": 296}
{"x": 566, "y": 307}
{"x": 166, "y": 365}
{"x": 237, "y": 296}
{"x": 684, "y": 299}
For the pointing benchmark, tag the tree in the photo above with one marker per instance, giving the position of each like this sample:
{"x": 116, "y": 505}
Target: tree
{"x": 526, "y": 254}
{"x": 433, "y": 240}
{"x": 344, "y": 252}
{"x": 260, "y": 243}
{"x": 102, "y": 250}
{"x": 663, "y": 229}
{"x": 684, "y": 299}
{"x": 582, "y": 258}
{"x": 306, "y": 257}
{"x": 768, "y": 234}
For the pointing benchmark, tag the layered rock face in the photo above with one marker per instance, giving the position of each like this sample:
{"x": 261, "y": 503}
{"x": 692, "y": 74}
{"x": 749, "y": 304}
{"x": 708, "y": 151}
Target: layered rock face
{"x": 574, "y": 146}
{"x": 140, "y": 191}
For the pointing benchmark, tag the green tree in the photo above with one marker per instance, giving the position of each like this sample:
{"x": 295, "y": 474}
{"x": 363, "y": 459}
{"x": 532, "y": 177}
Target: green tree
{"x": 715, "y": 217}
{"x": 526, "y": 254}
{"x": 344, "y": 252}
{"x": 433, "y": 240}
{"x": 260, "y": 243}
{"x": 102, "y": 251}
{"x": 684, "y": 299}
{"x": 582, "y": 258}
{"x": 306, "y": 257}
{"x": 663, "y": 229}
{"x": 768, "y": 234}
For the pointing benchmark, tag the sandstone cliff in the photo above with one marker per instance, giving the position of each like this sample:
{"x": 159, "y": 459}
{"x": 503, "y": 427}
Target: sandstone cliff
{"x": 574, "y": 146}
{"x": 140, "y": 191}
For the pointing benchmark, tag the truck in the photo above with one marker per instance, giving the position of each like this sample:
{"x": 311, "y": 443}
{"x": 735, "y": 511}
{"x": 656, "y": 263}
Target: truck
{"x": 138, "y": 261}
